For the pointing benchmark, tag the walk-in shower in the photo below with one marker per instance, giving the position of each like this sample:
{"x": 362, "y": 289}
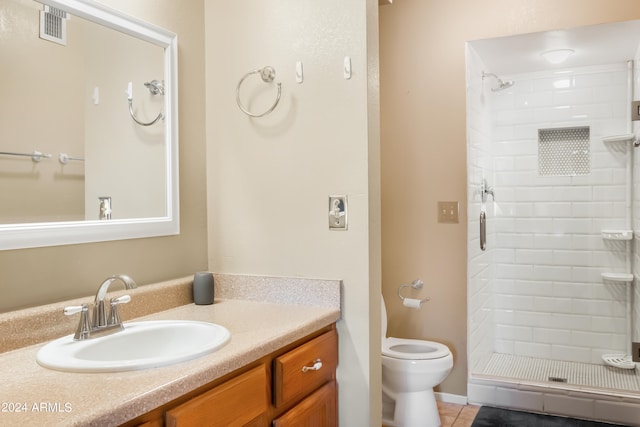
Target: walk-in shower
{"x": 552, "y": 303}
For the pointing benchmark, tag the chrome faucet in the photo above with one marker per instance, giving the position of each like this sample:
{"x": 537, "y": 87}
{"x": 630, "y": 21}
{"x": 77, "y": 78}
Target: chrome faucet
{"x": 99, "y": 311}
{"x": 101, "y": 325}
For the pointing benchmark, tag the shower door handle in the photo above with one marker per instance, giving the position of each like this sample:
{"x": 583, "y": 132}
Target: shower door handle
{"x": 483, "y": 230}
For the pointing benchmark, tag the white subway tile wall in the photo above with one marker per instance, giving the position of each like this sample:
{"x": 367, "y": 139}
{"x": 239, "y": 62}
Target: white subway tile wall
{"x": 481, "y": 268}
{"x": 548, "y": 228}
{"x": 636, "y": 209}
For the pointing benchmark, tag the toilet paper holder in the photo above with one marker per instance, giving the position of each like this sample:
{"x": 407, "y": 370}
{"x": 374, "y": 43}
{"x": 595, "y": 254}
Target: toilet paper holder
{"x": 416, "y": 284}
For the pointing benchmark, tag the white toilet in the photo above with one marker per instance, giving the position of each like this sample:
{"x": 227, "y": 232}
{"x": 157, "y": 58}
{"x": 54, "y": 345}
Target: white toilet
{"x": 410, "y": 370}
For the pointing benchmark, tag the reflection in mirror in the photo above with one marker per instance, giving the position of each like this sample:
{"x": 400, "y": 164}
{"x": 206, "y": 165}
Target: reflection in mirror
{"x": 91, "y": 92}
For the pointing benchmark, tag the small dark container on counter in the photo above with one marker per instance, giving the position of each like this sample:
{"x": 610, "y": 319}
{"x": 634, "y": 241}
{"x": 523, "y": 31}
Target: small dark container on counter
{"x": 203, "y": 288}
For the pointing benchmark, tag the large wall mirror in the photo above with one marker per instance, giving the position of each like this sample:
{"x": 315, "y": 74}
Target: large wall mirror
{"x": 88, "y": 125}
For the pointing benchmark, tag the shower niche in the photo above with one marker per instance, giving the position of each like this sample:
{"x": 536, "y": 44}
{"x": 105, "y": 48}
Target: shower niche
{"x": 554, "y": 296}
{"x": 564, "y": 151}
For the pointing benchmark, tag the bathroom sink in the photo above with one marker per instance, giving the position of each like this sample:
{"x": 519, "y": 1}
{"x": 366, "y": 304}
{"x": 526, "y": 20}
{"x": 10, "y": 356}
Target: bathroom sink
{"x": 141, "y": 345}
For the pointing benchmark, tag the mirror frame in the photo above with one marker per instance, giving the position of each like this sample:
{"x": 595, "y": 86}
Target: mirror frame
{"x": 31, "y": 235}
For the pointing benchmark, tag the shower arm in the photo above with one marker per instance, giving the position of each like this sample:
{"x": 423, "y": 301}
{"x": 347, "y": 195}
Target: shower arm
{"x": 489, "y": 75}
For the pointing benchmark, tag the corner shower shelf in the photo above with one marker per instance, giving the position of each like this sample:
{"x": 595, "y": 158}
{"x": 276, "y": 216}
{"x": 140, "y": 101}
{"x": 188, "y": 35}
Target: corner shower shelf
{"x": 621, "y": 235}
{"x": 621, "y": 361}
{"x": 618, "y": 277}
{"x": 617, "y": 234}
{"x": 619, "y": 138}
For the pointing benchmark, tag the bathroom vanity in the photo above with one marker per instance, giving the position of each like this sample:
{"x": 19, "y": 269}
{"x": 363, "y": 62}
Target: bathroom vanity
{"x": 277, "y": 329}
{"x": 282, "y": 389}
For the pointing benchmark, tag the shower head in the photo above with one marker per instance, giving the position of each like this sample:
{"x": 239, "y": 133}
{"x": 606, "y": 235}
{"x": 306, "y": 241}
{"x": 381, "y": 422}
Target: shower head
{"x": 502, "y": 84}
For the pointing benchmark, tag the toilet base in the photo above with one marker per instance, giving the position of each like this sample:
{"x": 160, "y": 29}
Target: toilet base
{"x": 418, "y": 409}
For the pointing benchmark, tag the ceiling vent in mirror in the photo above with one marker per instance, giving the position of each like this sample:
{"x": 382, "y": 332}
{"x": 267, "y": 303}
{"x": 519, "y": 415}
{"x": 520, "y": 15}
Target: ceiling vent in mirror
{"x": 53, "y": 25}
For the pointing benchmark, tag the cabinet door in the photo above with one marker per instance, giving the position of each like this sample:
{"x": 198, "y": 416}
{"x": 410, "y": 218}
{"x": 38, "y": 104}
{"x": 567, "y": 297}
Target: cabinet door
{"x": 317, "y": 410}
{"x": 241, "y": 401}
{"x": 293, "y": 379}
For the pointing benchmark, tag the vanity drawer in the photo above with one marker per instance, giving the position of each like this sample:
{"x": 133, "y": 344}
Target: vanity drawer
{"x": 292, "y": 382}
{"x": 237, "y": 402}
{"x": 319, "y": 409}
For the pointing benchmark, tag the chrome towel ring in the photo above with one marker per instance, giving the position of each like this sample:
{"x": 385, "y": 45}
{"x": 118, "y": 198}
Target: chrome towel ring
{"x": 155, "y": 87}
{"x": 268, "y": 74}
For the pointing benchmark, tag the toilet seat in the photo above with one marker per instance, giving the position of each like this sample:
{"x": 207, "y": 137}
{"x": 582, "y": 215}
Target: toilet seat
{"x": 409, "y": 349}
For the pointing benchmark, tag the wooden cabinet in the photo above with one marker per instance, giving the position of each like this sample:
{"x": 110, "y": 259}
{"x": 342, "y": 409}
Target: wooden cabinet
{"x": 305, "y": 377}
{"x": 317, "y": 410}
{"x": 302, "y": 370}
{"x": 292, "y": 387}
{"x": 235, "y": 403}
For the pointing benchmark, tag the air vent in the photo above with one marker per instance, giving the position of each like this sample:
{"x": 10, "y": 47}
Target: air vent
{"x": 53, "y": 25}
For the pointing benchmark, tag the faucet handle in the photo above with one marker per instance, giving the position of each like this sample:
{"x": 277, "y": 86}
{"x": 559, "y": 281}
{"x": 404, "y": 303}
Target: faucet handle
{"x": 121, "y": 300}
{"x": 74, "y": 309}
{"x": 84, "y": 327}
{"x": 114, "y": 317}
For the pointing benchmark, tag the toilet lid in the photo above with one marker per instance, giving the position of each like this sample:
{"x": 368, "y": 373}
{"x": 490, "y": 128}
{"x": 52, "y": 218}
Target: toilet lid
{"x": 409, "y": 349}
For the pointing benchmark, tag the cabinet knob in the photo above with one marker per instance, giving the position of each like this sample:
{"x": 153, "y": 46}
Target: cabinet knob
{"x": 317, "y": 365}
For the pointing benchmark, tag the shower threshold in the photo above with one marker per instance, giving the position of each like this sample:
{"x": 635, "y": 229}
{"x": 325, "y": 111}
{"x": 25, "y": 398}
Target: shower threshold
{"x": 585, "y": 376}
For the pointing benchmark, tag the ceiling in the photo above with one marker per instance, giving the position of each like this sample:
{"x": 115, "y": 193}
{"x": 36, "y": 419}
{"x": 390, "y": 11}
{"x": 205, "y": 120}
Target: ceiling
{"x": 593, "y": 45}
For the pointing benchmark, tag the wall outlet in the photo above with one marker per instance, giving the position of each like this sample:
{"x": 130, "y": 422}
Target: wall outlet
{"x": 635, "y": 352}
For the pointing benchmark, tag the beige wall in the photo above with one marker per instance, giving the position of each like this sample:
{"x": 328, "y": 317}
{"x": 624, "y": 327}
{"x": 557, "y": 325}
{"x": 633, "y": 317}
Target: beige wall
{"x": 269, "y": 178}
{"x": 35, "y": 276}
{"x": 33, "y": 88}
{"x": 47, "y": 106}
{"x": 422, "y": 74}
{"x": 119, "y": 151}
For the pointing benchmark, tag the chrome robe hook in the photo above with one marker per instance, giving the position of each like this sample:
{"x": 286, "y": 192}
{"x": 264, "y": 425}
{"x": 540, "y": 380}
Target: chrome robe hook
{"x": 268, "y": 74}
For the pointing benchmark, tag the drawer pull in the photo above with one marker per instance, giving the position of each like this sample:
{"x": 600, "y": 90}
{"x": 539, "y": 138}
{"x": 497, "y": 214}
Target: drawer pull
{"x": 317, "y": 365}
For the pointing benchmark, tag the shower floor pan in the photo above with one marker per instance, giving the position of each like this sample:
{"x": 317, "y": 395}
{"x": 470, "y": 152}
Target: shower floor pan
{"x": 557, "y": 371}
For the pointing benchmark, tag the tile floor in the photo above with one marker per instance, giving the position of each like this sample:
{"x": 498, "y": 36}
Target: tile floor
{"x": 453, "y": 415}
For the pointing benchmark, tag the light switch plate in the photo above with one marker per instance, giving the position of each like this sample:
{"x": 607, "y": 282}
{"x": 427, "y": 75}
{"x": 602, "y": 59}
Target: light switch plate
{"x": 337, "y": 212}
{"x": 448, "y": 212}
{"x": 635, "y": 110}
